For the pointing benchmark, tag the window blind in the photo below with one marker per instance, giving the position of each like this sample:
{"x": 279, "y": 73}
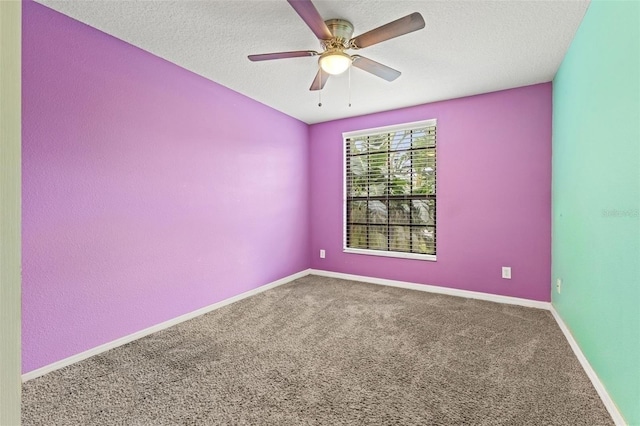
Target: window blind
{"x": 391, "y": 190}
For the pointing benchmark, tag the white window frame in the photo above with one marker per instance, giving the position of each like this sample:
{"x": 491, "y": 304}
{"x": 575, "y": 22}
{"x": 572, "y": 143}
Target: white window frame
{"x": 369, "y": 132}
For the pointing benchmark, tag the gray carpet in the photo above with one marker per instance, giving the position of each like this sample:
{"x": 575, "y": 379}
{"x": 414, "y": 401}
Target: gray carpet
{"x": 331, "y": 352}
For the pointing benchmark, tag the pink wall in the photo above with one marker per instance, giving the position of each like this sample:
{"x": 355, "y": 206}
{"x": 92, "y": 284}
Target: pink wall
{"x": 494, "y": 194}
{"x": 147, "y": 190}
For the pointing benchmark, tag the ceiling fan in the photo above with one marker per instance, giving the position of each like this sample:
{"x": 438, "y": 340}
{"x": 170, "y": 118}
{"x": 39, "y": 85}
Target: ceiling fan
{"x": 335, "y": 37}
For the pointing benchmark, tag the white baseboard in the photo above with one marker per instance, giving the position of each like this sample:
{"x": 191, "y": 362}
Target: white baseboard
{"x": 435, "y": 289}
{"x": 595, "y": 380}
{"x": 166, "y": 324}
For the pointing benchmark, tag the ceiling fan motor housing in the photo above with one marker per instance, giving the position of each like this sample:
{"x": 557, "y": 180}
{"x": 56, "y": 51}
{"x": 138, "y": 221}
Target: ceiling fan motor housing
{"x": 341, "y": 30}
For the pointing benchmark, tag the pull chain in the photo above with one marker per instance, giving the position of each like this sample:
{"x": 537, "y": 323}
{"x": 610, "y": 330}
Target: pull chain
{"x": 349, "y": 86}
{"x": 320, "y": 89}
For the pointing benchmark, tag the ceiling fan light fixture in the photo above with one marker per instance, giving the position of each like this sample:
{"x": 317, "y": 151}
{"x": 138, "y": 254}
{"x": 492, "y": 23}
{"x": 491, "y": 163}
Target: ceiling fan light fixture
{"x": 334, "y": 62}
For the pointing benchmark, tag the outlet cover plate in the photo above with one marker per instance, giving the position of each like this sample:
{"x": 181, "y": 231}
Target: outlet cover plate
{"x": 506, "y": 272}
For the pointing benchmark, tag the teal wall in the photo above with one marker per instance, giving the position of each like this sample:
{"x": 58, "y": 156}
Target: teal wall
{"x": 596, "y": 202}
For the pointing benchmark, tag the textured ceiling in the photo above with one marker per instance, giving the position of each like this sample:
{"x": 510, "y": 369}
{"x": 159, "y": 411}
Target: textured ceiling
{"x": 466, "y": 48}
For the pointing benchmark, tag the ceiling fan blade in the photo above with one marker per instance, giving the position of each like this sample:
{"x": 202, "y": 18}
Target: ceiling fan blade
{"x": 320, "y": 80}
{"x": 402, "y": 26}
{"x": 311, "y": 17}
{"x": 375, "y": 68}
{"x": 282, "y": 55}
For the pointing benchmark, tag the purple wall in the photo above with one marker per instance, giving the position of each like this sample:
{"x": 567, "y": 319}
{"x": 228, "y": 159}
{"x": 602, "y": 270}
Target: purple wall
{"x": 494, "y": 194}
{"x": 147, "y": 190}
{"x": 148, "y": 194}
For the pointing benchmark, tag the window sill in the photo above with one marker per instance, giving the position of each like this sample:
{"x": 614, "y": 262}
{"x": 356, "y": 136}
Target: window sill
{"x": 416, "y": 256}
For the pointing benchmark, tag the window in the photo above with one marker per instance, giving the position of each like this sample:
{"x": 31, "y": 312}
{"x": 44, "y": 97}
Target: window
{"x": 390, "y": 191}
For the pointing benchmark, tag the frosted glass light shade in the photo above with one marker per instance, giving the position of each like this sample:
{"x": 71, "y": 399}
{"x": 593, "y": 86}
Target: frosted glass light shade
{"x": 334, "y": 62}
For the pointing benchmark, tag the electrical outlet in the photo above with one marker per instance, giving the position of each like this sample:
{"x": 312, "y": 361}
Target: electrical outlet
{"x": 506, "y": 272}
{"x": 322, "y": 254}
{"x": 559, "y": 285}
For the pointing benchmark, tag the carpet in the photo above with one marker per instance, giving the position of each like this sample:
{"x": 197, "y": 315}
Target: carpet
{"x": 323, "y": 351}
